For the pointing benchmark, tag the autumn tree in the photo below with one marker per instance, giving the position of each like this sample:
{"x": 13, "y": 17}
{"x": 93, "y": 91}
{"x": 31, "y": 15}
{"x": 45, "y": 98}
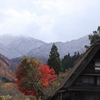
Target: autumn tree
{"x": 33, "y": 77}
{"x": 54, "y": 59}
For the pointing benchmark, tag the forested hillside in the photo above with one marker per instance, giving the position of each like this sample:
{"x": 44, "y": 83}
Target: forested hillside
{"x": 7, "y": 68}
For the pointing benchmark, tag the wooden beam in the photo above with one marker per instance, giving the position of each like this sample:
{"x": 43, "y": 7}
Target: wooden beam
{"x": 77, "y": 88}
{"x": 91, "y": 74}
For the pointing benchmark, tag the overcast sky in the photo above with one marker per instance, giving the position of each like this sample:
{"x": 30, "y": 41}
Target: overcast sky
{"x": 49, "y": 20}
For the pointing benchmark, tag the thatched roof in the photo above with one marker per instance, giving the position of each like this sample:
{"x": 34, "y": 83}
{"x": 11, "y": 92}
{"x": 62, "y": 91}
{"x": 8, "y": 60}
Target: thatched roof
{"x": 77, "y": 69}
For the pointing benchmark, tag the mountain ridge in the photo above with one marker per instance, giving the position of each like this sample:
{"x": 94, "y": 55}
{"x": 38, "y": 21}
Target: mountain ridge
{"x": 28, "y": 46}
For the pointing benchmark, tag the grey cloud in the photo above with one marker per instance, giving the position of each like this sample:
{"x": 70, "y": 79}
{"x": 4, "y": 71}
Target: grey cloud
{"x": 2, "y": 17}
{"x": 78, "y": 24}
{"x": 65, "y": 27}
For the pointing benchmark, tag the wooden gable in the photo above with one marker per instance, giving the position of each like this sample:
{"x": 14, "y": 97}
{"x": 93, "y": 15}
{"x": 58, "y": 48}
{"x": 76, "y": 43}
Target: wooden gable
{"x": 85, "y": 75}
{"x": 90, "y": 75}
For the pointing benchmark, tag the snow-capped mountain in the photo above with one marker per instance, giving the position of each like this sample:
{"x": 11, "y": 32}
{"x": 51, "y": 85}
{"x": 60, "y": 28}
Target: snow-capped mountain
{"x": 24, "y": 44}
{"x": 13, "y": 47}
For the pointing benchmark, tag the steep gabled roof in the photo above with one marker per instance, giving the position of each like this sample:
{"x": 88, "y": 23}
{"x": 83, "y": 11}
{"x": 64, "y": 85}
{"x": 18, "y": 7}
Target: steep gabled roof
{"x": 77, "y": 68}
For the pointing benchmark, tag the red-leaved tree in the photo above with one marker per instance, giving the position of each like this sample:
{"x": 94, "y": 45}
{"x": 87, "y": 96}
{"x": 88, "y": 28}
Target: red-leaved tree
{"x": 33, "y": 77}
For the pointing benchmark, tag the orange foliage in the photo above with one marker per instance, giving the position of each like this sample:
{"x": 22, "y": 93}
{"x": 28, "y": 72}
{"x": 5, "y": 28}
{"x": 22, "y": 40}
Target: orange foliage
{"x": 5, "y": 71}
{"x": 8, "y": 85}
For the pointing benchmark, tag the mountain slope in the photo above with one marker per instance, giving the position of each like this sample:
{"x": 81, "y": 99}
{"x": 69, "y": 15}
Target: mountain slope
{"x": 7, "y": 68}
{"x": 23, "y": 45}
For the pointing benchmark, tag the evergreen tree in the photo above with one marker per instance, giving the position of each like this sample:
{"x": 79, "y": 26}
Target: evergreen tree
{"x": 54, "y": 59}
{"x": 66, "y": 62}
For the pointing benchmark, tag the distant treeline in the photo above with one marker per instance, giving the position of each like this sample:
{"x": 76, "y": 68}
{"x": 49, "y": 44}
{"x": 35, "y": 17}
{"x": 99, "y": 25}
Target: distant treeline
{"x": 69, "y": 61}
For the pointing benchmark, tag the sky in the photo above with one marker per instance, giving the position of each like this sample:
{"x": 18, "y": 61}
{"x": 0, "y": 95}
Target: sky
{"x": 49, "y": 20}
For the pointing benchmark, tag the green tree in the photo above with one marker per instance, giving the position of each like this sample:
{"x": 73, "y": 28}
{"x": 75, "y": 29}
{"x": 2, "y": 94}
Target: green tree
{"x": 54, "y": 60}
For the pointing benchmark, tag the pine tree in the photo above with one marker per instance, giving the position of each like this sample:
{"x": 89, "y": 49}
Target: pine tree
{"x": 54, "y": 59}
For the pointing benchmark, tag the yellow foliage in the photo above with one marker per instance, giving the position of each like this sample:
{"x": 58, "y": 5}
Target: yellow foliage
{"x": 8, "y": 85}
{"x": 12, "y": 90}
{"x": 4, "y": 65}
{"x": 7, "y": 97}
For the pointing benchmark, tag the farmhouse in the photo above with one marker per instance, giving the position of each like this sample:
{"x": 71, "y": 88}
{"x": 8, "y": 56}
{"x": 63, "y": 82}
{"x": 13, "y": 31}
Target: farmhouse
{"x": 83, "y": 80}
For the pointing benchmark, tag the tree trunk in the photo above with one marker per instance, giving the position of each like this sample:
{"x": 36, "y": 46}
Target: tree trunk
{"x": 35, "y": 98}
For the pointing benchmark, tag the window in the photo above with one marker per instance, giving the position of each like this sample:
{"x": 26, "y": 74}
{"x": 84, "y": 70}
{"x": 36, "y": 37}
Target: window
{"x": 97, "y": 68}
{"x": 97, "y": 65}
{"x": 98, "y": 80}
{"x": 88, "y": 79}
